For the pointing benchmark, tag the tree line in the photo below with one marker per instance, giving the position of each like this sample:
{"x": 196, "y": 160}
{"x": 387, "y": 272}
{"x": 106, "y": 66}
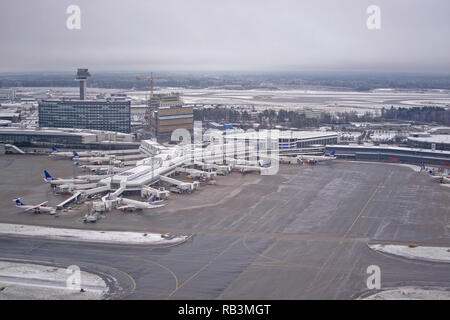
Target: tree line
{"x": 299, "y": 119}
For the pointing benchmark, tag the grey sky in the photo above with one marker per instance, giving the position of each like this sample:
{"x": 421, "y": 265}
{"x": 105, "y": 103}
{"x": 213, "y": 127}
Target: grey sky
{"x": 225, "y": 35}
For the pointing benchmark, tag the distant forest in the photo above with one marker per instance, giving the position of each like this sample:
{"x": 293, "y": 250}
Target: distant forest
{"x": 237, "y": 81}
{"x": 298, "y": 119}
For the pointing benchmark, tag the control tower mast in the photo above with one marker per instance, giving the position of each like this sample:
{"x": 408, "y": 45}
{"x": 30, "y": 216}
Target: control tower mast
{"x": 82, "y": 76}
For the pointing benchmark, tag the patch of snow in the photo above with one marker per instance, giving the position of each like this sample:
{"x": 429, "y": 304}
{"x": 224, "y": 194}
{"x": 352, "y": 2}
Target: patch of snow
{"x": 32, "y": 281}
{"x": 88, "y": 235}
{"x": 437, "y": 254}
{"x": 411, "y": 293}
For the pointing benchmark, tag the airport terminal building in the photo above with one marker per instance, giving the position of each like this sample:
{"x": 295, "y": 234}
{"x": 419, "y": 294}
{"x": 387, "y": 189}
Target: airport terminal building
{"x": 286, "y": 141}
{"x": 67, "y": 138}
{"x": 437, "y": 142}
{"x": 108, "y": 115}
{"x": 391, "y": 154}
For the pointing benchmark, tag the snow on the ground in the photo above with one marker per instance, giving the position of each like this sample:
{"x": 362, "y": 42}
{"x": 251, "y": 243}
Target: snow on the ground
{"x": 89, "y": 235}
{"x": 411, "y": 166}
{"x": 32, "y": 281}
{"x": 411, "y": 293}
{"x": 439, "y": 254}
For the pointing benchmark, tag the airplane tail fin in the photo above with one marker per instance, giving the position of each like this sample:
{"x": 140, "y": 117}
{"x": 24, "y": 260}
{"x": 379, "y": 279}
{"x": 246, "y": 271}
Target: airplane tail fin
{"x": 332, "y": 153}
{"x": 48, "y": 176}
{"x": 153, "y": 199}
{"x": 431, "y": 172}
{"x": 75, "y": 154}
{"x": 18, "y": 202}
{"x": 54, "y": 149}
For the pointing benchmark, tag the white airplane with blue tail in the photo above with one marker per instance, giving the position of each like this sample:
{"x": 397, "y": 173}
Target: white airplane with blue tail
{"x": 57, "y": 181}
{"x": 42, "y": 207}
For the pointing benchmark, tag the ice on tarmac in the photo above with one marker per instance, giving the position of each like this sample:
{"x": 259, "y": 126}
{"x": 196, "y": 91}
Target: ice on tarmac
{"x": 436, "y": 254}
{"x": 32, "y": 281}
{"x": 116, "y": 237}
{"x": 411, "y": 293}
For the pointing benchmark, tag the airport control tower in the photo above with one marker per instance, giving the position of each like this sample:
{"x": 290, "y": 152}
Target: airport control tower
{"x": 82, "y": 76}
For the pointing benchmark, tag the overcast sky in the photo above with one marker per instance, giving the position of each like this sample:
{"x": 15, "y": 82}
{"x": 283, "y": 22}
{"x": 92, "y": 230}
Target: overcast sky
{"x": 213, "y": 35}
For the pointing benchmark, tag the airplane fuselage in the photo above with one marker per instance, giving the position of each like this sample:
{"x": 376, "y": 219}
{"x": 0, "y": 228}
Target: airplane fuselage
{"x": 316, "y": 158}
{"x": 57, "y": 182}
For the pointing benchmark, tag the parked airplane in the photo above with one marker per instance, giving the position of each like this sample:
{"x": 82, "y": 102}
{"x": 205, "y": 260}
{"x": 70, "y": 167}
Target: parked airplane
{"x": 68, "y": 154}
{"x": 440, "y": 178}
{"x": 315, "y": 159}
{"x": 56, "y": 181}
{"x": 56, "y": 153}
{"x": 96, "y": 160}
{"x": 37, "y": 209}
{"x": 132, "y": 205}
{"x": 99, "y": 169}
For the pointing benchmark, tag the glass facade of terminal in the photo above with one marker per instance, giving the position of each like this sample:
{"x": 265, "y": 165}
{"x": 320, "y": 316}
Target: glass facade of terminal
{"x": 27, "y": 140}
{"x": 97, "y": 115}
{"x": 391, "y": 155}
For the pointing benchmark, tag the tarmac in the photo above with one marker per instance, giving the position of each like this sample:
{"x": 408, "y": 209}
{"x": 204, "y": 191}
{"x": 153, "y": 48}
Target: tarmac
{"x": 301, "y": 234}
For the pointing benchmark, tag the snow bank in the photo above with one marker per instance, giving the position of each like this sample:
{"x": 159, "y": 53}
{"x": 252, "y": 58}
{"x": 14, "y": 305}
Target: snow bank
{"x": 438, "y": 254}
{"x": 89, "y": 235}
{"x": 32, "y": 281}
{"x": 411, "y": 293}
{"x": 411, "y": 166}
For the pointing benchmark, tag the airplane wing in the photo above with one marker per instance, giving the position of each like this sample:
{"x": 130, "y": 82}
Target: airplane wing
{"x": 127, "y": 207}
{"x": 154, "y": 206}
{"x": 43, "y": 203}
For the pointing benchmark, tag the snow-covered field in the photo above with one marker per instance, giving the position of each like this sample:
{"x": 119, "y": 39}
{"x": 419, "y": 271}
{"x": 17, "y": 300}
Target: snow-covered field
{"x": 32, "y": 281}
{"x": 89, "y": 235}
{"x": 437, "y": 254}
{"x": 411, "y": 293}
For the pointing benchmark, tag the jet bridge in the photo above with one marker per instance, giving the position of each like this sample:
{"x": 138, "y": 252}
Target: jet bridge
{"x": 196, "y": 173}
{"x": 225, "y": 169}
{"x": 90, "y": 192}
{"x": 148, "y": 191}
{"x": 180, "y": 184}
{"x": 75, "y": 197}
{"x": 14, "y": 148}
